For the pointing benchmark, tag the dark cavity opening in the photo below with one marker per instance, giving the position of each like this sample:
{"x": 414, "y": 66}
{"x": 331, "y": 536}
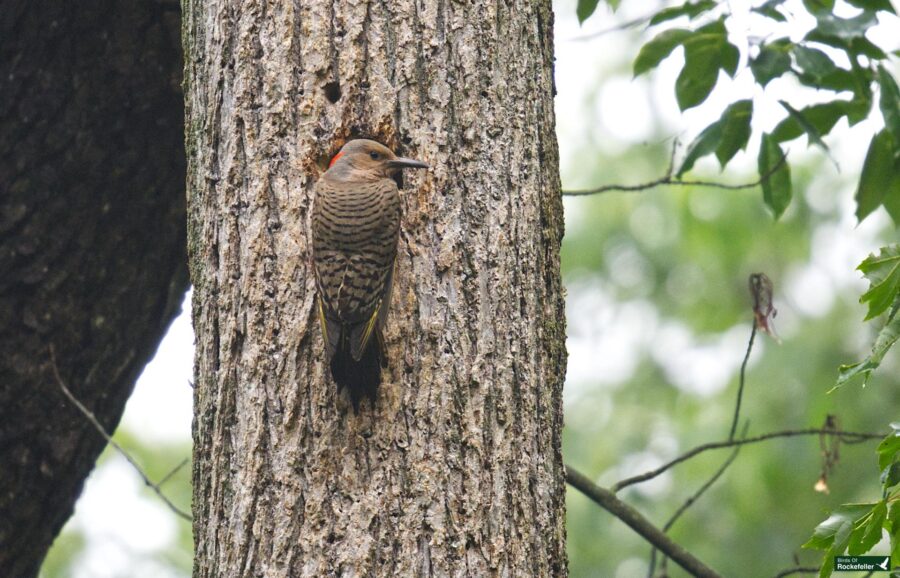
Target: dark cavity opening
{"x": 332, "y": 91}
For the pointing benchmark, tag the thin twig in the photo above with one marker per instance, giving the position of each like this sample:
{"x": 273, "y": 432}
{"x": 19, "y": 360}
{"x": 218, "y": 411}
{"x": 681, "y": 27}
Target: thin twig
{"x": 797, "y": 570}
{"x": 668, "y": 179}
{"x": 696, "y": 496}
{"x": 99, "y": 427}
{"x": 637, "y": 522}
{"x": 173, "y": 471}
{"x": 740, "y": 442}
{"x": 617, "y": 28}
{"x": 690, "y": 501}
{"x": 737, "y": 405}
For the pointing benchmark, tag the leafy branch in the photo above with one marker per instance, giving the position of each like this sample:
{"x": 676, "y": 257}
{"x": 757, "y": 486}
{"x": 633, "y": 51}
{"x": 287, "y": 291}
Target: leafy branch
{"x": 709, "y": 50}
{"x": 675, "y": 180}
{"x": 857, "y": 528}
{"x": 883, "y": 296}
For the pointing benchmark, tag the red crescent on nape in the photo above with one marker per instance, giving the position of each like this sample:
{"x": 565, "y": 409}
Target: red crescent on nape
{"x": 335, "y": 158}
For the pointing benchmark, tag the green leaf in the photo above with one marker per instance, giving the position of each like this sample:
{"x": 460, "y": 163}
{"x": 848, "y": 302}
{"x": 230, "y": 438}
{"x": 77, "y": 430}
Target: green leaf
{"x": 866, "y": 535}
{"x": 819, "y": 70}
{"x": 705, "y": 143}
{"x": 885, "y": 340}
{"x": 690, "y": 9}
{"x": 858, "y": 110}
{"x": 889, "y": 448}
{"x": 866, "y": 47}
{"x": 842, "y": 537}
{"x": 893, "y": 527}
{"x": 705, "y": 52}
{"x": 735, "y": 130}
{"x": 696, "y": 81}
{"x": 852, "y": 46}
{"x": 883, "y": 274}
{"x": 812, "y": 133}
{"x": 892, "y": 524}
{"x": 772, "y": 61}
{"x": 658, "y": 49}
{"x": 814, "y": 62}
{"x": 890, "y": 104}
{"x": 730, "y": 58}
{"x": 839, "y": 80}
{"x": 846, "y": 28}
{"x": 873, "y": 5}
{"x": 847, "y": 34}
{"x": 775, "y": 174}
{"x": 890, "y": 476}
{"x": 770, "y": 10}
{"x": 877, "y": 176}
{"x": 584, "y": 9}
{"x": 893, "y": 520}
{"x": 891, "y": 200}
{"x": 827, "y": 565}
{"x": 817, "y": 6}
{"x": 835, "y": 530}
{"x": 725, "y": 137}
{"x": 822, "y": 117}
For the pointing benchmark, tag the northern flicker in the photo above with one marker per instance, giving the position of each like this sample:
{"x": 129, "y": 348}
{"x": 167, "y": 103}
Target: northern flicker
{"x": 355, "y": 227}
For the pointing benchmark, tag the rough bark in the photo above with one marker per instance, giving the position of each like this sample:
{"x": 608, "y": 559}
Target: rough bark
{"x": 457, "y": 471}
{"x": 92, "y": 239}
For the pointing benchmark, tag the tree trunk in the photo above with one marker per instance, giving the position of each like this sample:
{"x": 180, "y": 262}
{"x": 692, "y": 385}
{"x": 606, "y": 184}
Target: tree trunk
{"x": 457, "y": 471}
{"x": 92, "y": 237}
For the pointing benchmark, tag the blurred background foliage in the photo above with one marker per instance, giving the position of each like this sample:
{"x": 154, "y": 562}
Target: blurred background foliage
{"x": 121, "y": 529}
{"x": 659, "y": 315}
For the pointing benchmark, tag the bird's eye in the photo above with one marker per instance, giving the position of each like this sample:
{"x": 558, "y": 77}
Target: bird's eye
{"x": 374, "y": 156}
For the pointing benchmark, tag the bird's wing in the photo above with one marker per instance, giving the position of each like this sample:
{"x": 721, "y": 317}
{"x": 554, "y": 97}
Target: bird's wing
{"x": 361, "y": 334}
{"x": 331, "y": 328}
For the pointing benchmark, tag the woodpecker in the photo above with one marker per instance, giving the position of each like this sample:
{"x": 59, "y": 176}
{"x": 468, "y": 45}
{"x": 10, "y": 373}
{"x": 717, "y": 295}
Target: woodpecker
{"x": 355, "y": 228}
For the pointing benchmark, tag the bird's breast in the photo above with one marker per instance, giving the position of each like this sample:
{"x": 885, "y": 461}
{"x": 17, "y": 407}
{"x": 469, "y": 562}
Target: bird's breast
{"x": 356, "y": 216}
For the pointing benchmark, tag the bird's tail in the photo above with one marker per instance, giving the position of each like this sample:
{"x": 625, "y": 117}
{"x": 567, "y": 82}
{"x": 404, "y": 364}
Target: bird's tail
{"x": 362, "y": 377}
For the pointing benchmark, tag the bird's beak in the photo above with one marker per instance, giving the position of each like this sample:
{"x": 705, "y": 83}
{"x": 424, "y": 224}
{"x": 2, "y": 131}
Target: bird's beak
{"x": 405, "y": 163}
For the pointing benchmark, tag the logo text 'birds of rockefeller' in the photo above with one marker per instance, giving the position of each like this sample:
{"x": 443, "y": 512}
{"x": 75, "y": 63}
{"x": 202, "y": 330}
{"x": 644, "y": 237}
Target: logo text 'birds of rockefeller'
{"x": 857, "y": 563}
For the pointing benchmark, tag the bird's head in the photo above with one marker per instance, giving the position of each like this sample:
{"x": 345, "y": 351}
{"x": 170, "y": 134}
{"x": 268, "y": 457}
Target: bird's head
{"x": 365, "y": 160}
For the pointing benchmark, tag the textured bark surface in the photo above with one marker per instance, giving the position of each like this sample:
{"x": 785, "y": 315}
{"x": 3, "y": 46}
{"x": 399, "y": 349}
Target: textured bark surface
{"x": 92, "y": 239}
{"x": 457, "y": 471}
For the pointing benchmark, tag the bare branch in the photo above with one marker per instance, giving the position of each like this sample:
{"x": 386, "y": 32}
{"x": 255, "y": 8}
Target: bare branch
{"x": 99, "y": 427}
{"x": 617, "y": 28}
{"x": 690, "y": 501}
{"x": 637, "y": 522}
{"x": 846, "y": 437}
{"x": 173, "y": 471}
{"x": 737, "y": 405}
{"x": 693, "y": 499}
{"x": 668, "y": 179}
{"x": 797, "y": 570}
